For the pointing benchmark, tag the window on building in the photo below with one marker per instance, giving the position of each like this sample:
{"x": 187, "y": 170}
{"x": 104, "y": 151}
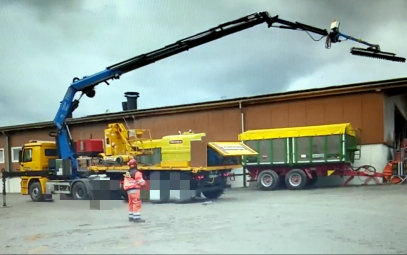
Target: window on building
{"x": 15, "y": 152}
{"x": 2, "y": 156}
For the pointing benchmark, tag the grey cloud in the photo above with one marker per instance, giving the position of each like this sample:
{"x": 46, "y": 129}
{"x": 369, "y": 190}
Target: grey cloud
{"x": 50, "y": 42}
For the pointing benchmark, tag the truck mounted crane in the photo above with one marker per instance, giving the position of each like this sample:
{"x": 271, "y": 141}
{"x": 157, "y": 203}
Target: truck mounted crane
{"x": 86, "y": 85}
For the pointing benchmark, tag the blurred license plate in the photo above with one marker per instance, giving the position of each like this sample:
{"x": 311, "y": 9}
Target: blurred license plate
{"x": 213, "y": 175}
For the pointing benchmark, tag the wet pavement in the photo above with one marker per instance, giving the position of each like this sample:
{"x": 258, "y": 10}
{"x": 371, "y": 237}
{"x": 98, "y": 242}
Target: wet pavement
{"x": 355, "y": 220}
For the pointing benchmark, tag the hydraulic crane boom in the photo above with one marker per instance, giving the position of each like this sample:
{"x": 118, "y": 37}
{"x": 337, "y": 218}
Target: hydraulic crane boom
{"x": 87, "y": 84}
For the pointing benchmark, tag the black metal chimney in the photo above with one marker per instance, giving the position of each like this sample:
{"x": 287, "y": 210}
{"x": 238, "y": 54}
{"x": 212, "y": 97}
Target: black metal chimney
{"x": 131, "y": 100}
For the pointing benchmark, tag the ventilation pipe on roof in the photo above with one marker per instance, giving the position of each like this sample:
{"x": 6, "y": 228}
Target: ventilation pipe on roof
{"x": 131, "y": 103}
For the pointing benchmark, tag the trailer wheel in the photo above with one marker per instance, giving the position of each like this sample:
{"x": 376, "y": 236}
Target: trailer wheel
{"x": 79, "y": 191}
{"x": 213, "y": 194}
{"x": 36, "y": 192}
{"x": 296, "y": 179}
{"x": 268, "y": 180}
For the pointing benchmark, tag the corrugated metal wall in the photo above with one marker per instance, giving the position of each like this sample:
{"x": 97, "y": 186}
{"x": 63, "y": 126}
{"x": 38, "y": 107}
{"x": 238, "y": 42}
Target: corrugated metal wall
{"x": 364, "y": 111}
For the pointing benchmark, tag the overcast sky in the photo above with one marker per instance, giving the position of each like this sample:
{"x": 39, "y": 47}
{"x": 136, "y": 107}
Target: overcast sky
{"x": 44, "y": 44}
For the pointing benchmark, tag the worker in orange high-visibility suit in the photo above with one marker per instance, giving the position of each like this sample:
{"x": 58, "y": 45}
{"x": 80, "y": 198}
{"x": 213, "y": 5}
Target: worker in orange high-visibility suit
{"x": 133, "y": 181}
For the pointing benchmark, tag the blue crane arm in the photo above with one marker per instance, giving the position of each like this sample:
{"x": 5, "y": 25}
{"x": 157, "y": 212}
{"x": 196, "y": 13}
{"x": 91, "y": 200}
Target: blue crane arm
{"x": 348, "y": 37}
{"x": 87, "y": 84}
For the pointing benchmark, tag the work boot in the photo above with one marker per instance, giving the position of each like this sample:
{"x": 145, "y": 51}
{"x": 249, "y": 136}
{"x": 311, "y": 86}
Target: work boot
{"x": 138, "y": 220}
{"x": 131, "y": 219}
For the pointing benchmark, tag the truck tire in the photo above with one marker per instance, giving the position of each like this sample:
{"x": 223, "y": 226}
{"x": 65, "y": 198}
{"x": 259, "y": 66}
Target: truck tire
{"x": 296, "y": 179}
{"x": 213, "y": 194}
{"x": 79, "y": 191}
{"x": 36, "y": 192}
{"x": 268, "y": 180}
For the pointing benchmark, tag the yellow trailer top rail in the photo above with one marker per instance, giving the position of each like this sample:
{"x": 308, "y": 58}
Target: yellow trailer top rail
{"x": 322, "y": 130}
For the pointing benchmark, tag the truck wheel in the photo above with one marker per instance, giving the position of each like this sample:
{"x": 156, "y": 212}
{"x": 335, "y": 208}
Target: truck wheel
{"x": 36, "y": 192}
{"x": 213, "y": 194}
{"x": 296, "y": 179}
{"x": 268, "y": 180}
{"x": 79, "y": 191}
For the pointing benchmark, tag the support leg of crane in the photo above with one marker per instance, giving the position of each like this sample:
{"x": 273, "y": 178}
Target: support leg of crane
{"x": 4, "y": 194}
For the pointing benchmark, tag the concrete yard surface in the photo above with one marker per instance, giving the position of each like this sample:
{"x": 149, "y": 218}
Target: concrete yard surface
{"x": 353, "y": 220}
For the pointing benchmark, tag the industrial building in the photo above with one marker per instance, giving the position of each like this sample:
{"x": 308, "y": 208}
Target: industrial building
{"x": 377, "y": 109}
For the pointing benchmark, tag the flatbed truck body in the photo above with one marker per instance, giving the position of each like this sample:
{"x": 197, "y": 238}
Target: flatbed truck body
{"x": 190, "y": 166}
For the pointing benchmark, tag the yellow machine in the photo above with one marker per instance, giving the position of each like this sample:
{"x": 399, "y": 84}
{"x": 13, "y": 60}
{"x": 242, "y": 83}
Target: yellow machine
{"x": 205, "y": 166}
{"x": 122, "y": 143}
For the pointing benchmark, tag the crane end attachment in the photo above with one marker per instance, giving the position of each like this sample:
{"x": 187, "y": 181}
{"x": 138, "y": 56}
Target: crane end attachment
{"x": 374, "y": 53}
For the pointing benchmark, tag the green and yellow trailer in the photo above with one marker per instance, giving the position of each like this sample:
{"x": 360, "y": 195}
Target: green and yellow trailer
{"x": 297, "y": 156}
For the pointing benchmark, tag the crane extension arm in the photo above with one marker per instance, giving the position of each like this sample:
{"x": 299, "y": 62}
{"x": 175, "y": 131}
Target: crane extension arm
{"x": 373, "y": 51}
{"x": 87, "y": 84}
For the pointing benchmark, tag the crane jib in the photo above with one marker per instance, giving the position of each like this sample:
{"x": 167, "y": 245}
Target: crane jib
{"x": 87, "y": 84}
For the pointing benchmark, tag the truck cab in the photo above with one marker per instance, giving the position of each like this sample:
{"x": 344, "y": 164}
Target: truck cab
{"x": 34, "y": 155}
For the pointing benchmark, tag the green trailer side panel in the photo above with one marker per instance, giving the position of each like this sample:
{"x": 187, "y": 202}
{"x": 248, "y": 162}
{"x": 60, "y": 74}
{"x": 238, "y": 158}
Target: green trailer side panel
{"x": 318, "y": 149}
{"x": 264, "y": 152}
{"x": 254, "y": 144}
{"x": 298, "y": 150}
{"x": 280, "y": 151}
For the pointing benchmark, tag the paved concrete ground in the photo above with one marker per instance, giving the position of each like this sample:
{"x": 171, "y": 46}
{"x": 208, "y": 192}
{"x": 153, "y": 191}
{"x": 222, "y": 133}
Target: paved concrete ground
{"x": 357, "y": 220}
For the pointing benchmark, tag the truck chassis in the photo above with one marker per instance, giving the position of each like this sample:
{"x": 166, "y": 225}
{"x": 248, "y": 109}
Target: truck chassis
{"x": 107, "y": 185}
{"x": 297, "y": 178}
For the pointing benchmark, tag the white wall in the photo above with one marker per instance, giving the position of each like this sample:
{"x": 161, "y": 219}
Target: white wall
{"x": 238, "y": 182}
{"x": 12, "y": 185}
{"x": 375, "y": 155}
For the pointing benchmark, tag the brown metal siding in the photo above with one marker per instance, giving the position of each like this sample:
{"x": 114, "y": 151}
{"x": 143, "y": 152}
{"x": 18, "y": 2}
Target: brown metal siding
{"x": 363, "y": 111}
{"x": 219, "y": 125}
{"x": 20, "y": 138}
